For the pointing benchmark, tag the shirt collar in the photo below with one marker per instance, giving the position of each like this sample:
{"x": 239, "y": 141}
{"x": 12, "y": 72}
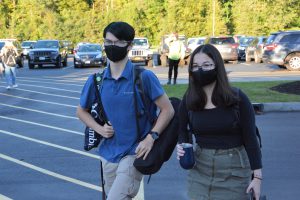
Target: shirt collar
{"x": 127, "y": 72}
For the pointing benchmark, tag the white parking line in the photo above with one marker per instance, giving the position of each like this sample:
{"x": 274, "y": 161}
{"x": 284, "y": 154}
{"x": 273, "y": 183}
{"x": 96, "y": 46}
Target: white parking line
{"x": 50, "y": 82}
{"x": 48, "y": 94}
{"x": 67, "y": 67}
{"x": 50, "y": 173}
{"x": 38, "y": 111}
{"x": 54, "y": 79}
{"x": 248, "y": 64}
{"x": 51, "y": 144}
{"x": 52, "y": 88}
{"x": 41, "y": 101}
{"x": 2, "y": 197}
{"x": 43, "y": 125}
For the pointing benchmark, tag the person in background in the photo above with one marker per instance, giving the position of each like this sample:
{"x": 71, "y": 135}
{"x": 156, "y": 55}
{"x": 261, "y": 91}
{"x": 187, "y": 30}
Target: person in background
{"x": 223, "y": 122}
{"x": 120, "y": 146}
{"x": 9, "y": 54}
{"x": 176, "y": 52}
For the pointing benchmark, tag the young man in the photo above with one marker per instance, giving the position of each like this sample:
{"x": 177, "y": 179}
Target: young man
{"x": 120, "y": 146}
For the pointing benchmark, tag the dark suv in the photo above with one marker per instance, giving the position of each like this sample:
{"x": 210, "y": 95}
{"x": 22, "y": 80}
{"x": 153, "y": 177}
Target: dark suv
{"x": 226, "y": 46}
{"x": 47, "y": 52}
{"x": 283, "y": 49}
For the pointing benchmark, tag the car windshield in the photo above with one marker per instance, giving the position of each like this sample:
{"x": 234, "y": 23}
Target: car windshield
{"x": 246, "y": 40}
{"x": 140, "y": 42}
{"x": 225, "y": 40}
{"x": 46, "y": 44}
{"x": 89, "y": 48}
{"x": 27, "y": 44}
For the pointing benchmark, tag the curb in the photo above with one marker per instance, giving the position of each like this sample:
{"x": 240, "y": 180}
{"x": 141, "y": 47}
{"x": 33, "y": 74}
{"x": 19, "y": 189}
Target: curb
{"x": 276, "y": 107}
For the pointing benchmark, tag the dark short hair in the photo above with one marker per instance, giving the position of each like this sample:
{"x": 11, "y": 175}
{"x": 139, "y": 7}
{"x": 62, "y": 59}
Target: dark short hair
{"x": 121, "y": 30}
{"x": 222, "y": 94}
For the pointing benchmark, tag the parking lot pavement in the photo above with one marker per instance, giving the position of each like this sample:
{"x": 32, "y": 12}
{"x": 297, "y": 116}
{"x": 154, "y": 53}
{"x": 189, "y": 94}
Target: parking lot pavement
{"x": 41, "y": 145}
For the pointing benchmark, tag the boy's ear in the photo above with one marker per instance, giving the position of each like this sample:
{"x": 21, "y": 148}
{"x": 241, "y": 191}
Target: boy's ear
{"x": 130, "y": 46}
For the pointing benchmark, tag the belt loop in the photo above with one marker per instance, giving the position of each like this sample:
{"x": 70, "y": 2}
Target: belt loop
{"x": 241, "y": 157}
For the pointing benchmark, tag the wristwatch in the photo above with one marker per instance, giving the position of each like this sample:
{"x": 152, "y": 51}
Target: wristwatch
{"x": 154, "y": 135}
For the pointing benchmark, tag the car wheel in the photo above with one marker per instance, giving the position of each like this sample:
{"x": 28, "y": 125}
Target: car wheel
{"x": 30, "y": 65}
{"x": 256, "y": 58}
{"x": 292, "y": 62}
{"x": 21, "y": 62}
{"x": 65, "y": 61}
{"x": 58, "y": 62}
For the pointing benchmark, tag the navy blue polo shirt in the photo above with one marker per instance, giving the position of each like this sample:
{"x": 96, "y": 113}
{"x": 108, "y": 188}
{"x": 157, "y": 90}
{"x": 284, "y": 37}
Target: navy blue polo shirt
{"x": 118, "y": 102}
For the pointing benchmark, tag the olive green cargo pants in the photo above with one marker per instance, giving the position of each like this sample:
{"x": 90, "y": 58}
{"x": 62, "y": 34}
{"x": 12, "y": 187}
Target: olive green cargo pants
{"x": 219, "y": 174}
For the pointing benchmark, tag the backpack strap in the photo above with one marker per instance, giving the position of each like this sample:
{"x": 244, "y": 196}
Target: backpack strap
{"x": 139, "y": 87}
{"x": 98, "y": 83}
{"x": 236, "y": 108}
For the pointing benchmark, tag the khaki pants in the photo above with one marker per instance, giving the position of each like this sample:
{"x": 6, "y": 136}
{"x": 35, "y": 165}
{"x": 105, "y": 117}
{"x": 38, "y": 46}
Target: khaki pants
{"x": 122, "y": 180}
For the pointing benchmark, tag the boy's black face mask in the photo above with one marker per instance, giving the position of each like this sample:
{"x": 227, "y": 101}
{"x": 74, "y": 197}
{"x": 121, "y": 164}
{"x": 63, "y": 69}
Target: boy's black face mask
{"x": 115, "y": 53}
{"x": 204, "y": 77}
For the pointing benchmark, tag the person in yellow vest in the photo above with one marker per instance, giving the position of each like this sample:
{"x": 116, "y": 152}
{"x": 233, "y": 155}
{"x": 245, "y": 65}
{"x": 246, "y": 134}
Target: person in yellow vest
{"x": 176, "y": 52}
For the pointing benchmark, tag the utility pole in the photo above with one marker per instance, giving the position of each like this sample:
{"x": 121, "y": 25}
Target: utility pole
{"x": 213, "y": 17}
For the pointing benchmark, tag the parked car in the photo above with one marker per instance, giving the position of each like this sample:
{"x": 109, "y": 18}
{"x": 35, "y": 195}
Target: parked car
{"x": 26, "y": 46}
{"x": 77, "y": 46}
{"x": 255, "y": 49}
{"x": 238, "y": 37}
{"x": 243, "y": 44}
{"x": 19, "y": 58}
{"x": 47, "y": 52}
{"x": 69, "y": 45}
{"x": 141, "y": 52}
{"x": 226, "y": 46}
{"x": 193, "y": 43}
{"x": 283, "y": 48}
{"x": 89, "y": 54}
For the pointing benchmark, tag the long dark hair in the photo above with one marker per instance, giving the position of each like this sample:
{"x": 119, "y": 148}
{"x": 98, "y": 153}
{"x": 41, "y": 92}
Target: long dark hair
{"x": 222, "y": 95}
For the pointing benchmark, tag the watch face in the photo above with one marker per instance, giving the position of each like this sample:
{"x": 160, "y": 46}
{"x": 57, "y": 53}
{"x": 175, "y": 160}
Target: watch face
{"x": 154, "y": 135}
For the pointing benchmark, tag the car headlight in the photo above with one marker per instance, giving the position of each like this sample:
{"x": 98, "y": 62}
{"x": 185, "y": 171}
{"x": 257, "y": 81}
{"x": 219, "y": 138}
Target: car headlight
{"x": 99, "y": 55}
{"x": 54, "y": 53}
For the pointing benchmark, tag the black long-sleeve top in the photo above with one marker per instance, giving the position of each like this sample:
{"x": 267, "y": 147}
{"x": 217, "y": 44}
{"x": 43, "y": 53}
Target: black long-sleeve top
{"x": 223, "y": 128}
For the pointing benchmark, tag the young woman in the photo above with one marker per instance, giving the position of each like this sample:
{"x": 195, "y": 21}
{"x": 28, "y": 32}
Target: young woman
{"x": 223, "y": 123}
{"x": 9, "y": 61}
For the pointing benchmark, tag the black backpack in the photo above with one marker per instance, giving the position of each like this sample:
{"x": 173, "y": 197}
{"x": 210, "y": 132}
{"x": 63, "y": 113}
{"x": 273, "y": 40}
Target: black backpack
{"x": 9, "y": 58}
{"x": 164, "y": 146}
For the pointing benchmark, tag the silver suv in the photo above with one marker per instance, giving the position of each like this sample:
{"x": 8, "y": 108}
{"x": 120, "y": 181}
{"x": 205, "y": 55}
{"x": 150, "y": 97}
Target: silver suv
{"x": 283, "y": 49}
{"x": 226, "y": 46}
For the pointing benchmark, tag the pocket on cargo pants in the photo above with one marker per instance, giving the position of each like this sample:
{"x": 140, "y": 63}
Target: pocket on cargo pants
{"x": 127, "y": 182}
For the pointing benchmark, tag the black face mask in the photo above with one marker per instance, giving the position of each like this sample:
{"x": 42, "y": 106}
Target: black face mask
{"x": 204, "y": 77}
{"x": 115, "y": 53}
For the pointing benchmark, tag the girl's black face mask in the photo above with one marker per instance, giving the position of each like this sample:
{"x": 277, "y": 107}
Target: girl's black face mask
{"x": 204, "y": 78}
{"x": 115, "y": 53}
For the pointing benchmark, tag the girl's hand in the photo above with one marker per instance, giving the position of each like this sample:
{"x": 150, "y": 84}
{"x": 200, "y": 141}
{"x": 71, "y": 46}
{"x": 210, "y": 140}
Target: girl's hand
{"x": 255, "y": 187}
{"x": 180, "y": 151}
